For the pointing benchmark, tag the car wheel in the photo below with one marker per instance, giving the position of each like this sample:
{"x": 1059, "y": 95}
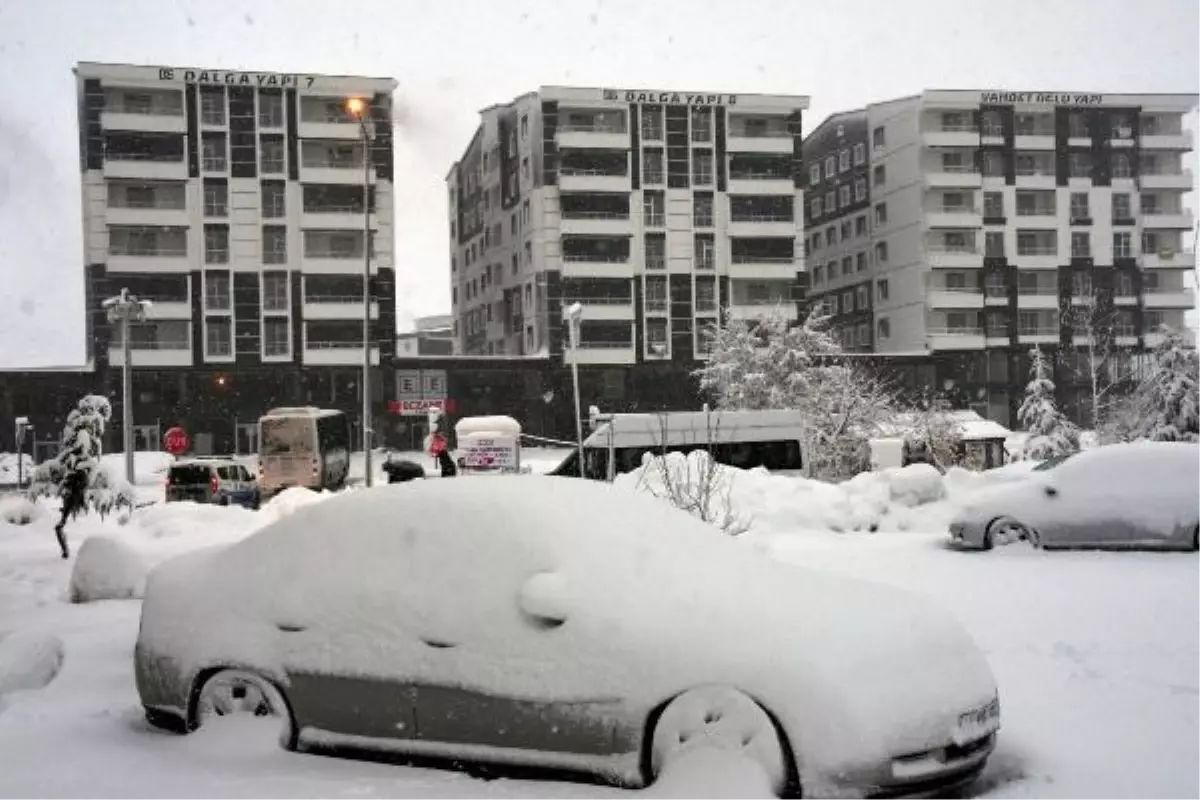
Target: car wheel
{"x": 1007, "y": 531}
{"x": 720, "y": 718}
{"x": 239, "y": 693}
{"x": 224, "y": 499}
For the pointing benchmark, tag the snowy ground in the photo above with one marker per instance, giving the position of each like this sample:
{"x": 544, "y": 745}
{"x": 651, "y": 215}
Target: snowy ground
{"x": 1096, "y": 656}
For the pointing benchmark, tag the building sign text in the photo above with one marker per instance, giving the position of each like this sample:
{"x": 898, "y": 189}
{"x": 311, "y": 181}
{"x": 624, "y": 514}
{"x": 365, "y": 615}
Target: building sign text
{"x": 216, "y": 77}
{"x": 1046, "y": 98}
{"x": 671, "y": 98}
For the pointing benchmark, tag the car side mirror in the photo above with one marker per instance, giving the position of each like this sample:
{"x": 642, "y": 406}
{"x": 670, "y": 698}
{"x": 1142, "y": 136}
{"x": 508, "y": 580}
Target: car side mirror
{"x": 544, "y": 600}
{"x": 1051, "y": 491}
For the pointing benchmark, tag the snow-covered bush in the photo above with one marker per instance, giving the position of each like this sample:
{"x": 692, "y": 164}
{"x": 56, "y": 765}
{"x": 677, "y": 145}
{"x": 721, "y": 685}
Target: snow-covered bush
{"x": 933, "y": 431}
{"x": 18, "y": 510}
{"x": 772, "y": 364}
{"x": 106, "y": 569}
{"x": 915, "y": 484}
{"x": 1167, "y": 402}
{"x": 1050, "y": 432}
{"x": 697, "y": 484}
{"x": 28, "y": 661}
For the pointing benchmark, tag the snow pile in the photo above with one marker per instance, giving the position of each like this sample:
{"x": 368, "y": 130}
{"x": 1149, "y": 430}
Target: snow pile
{"x": 28, "y": 661}
{"x": 18, "y": 510}
{"x": 106, "y": 569}
{"x": 10, "y": 468}
{"x": 149, "y": 466}
{"x": 915, "y": 484}
{"x": 288, "y": 502}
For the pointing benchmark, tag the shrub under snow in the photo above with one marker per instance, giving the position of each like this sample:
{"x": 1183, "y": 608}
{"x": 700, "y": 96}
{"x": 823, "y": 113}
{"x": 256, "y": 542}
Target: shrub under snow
{"x": 106, "y": 569}
{"x": 28, "y": 661}
{"x": 18, "y": 510}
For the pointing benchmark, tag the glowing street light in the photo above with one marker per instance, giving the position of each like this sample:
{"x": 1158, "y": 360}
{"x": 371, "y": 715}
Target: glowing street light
{"x": 360, "y": 109}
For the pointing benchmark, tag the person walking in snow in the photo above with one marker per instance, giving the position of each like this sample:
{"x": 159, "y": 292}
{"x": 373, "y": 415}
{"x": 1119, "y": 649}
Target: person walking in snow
{"x": 446, "y": 464}
{"x": 73, "y": 493}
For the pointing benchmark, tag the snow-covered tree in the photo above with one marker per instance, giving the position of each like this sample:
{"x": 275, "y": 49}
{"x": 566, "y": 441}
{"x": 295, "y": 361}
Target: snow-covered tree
{"x": 1165, "y": 404}
{"x": 771, "y": 363}
{"x": 1050, "y": 432}
{"x": 1099, "y": 359}
{"x": 75, "y": 474}
{"x": 934, "y": 431}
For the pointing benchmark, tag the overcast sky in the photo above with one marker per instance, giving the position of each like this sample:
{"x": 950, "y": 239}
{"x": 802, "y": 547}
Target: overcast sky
{"x": 453, "y": 58}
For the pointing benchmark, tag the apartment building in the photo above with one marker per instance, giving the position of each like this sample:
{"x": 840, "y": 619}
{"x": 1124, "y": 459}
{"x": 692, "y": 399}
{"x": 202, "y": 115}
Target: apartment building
{"x": 239, "y": 204}
{"x": 970, "y": 226}
{"x": 654, "y": 210}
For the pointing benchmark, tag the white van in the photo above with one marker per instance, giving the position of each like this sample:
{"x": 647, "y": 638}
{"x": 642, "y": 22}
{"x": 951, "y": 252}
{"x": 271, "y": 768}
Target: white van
{"x": 745, "y": 439}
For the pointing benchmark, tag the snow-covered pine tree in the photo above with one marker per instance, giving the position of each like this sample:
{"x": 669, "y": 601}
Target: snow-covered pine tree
{"x": 1166, "y": 400}
{"x": 1050, "y": 432}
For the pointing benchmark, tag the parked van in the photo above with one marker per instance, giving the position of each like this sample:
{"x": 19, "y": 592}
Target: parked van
{"x": 308, "y": 447}
{"x": 744, "y": 439}
{"x": 223, "y": 481}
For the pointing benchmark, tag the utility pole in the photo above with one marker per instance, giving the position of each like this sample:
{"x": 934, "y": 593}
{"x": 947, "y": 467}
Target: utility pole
{"x": 572, "y": 315}
{"x": 360, "y": 108}
{"x": 126, "y": 308}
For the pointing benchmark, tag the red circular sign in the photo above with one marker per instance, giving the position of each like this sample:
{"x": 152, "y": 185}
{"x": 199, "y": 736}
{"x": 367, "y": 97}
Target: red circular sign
{"x": 176, "y": 441}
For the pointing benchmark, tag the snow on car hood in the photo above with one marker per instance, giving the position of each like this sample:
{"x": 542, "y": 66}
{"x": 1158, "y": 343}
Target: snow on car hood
{"x": 568, "y": 590}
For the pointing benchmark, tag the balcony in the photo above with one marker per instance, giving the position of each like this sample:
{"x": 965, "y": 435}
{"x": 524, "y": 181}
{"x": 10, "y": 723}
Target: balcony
{"x": 1169, "y": 259}
{"x": 944, "y": 216}
{"x": 157, "y": 118}
{"x": 952, "y": 136}
{"x": 1174, "y": 219}
{"x": 1037, "y": 257}
{"x": 337, "y": 354}
{"x": 1035, "y": 139}
{"x": 163, "y": 260}
{"x": 964, "y": 256}
{"x": 592, "y": 180}
{"x": 765, "y": 183}
{"x": 336, "y": 171}
{"x": 1041, "y": 334}
{"x": 337, "y": 307}
{"x": 941, "y": 176}
{"x": 995, "y": 295}
{"x": 158, "y": 215}
{"x": 597, "y": 352}
{"x": 745, "y": 266}
{"x": 327, "y": 118}
{"x": 336, "y": 218}
{"x": 759, "y": 139}
{"x": 1155, "y": 338}
{"x": 1170, "y": 298}
{"x": 173, "y": 353}
{"x": 1181, "y": 140}
{"x": 744, "y": 309}
{"x": 1167, "y": 180}
{"x": 1036, "y": 178}
{"x": 1037, "y": 217}
{"x": 168, "y": 309}
{"x": 596, "y": 223}
{"x": 332, "y": 263}
{"x": 605, "y": 309}
{"x": 941, "y": 296}
{"x": 603, "y": 135}
{"x": 145, "y": 166}
{"x": 940, "y": 338}
{"x": 1037, "y": 298}
{"x": 596, "y": 266}
{"x": 1124, "y": 297}
{"x": 762, "y": 225}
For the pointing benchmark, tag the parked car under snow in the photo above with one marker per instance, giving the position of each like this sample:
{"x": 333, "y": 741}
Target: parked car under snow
{"x": 1139, "y": 495}
{"x": 580, "y": 626}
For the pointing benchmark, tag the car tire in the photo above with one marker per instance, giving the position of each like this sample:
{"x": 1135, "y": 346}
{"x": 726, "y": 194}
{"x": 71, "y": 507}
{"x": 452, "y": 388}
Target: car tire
{"x": 1015, "y": 531}
{"x": 720, "y": 718}
{"x": 225, "y": 692}
{"x": 224, "y": 500}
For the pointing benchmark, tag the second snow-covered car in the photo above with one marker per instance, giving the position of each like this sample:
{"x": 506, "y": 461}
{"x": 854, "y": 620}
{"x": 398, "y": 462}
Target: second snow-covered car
{"x": 1142, "y": 495}
{"x": 572, "y": 625}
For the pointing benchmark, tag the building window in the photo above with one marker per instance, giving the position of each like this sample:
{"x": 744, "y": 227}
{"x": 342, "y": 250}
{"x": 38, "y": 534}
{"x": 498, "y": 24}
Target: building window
{"x": 881, "y": 253}
{"x": 844, "y": 195}
{"x": 844, "y": 160}
{"x": 992, "y": 124}
{"x": 272, "y": 159}
{"x": 270, "y": 110}
{"x": 702, "y": 124}
{"x": 883, "y": 327}
{"x": 276, "y": 336}
{"x": 702, "y": 210}
{"x": 218, "y": 337}
{"x": 1081, "y": 244}
{"x": 1079, "y": 165}
{"x": 274, "y": 244}
{"x": 881, "y": 290}
{"x": 860, "y": 189}
{"x": 830, "y": 236}
{"x": 830, "y": 202}
{"x": 702, "y": 167}
{"x": 881, "y": 216}
{"x": 1081, "y": 284}
{"x": 705, "y": 252}
{"x": 656, "y": 251}
{"x": 993, "y": 244}
{"x": 879, "y": 175}
{"x": 993, "y": 205}
{"x": 654, "y": 209}
{"x": 216, "y": 198}
{"x": 1121, "y": 167}
{"x": 273, "y": 202}
{"x": 652, "y": 165}
{"x": 516, "y": 263}
{"x": 1122, "y": 245}
{"x": 860, "y": 154}
{"x": 216, "y": 290}
{"x": 216, "y": 244}
{"x": 524, "y": 126}
{"x": 275, "y": 291}
{"x": 213, "y": 152}
{"x": 815, "y": 207}
{"x": 652, "y": 123}
{"x": 1122, "y": 207}
{"x": 706, "y": 294}
{"x": 993, "y": 165}
{"x": 878, "y": 138}
{"x": 212, "y": 105}
{"x": 847, "y": 230}
{"x": 830, "y": 166}
{"x": 814, "y": 174}
{"x": 860, "y": 261}
{"x": 860, "y": 225}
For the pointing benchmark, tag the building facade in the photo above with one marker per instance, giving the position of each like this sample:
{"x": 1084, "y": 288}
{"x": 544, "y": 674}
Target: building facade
{"x": 239, "y": 204}
{"x": 970, "y": 226}
{"x": 653, "y": 210}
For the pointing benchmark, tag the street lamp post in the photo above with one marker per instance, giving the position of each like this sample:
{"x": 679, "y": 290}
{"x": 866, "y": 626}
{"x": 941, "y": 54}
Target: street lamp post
{"x": 126, "y": 308}
{"x": 360, "y": 109}
{"x": 22, "y": 425}
{"x": 572, "y": 315}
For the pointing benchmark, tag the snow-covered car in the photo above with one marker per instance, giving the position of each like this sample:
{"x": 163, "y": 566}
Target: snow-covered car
{"x": 580, "y": 626}
{"x": 1141, "y": 495}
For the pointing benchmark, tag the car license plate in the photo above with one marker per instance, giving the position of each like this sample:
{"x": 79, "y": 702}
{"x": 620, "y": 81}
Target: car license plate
{"x": 978, "y": 722}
